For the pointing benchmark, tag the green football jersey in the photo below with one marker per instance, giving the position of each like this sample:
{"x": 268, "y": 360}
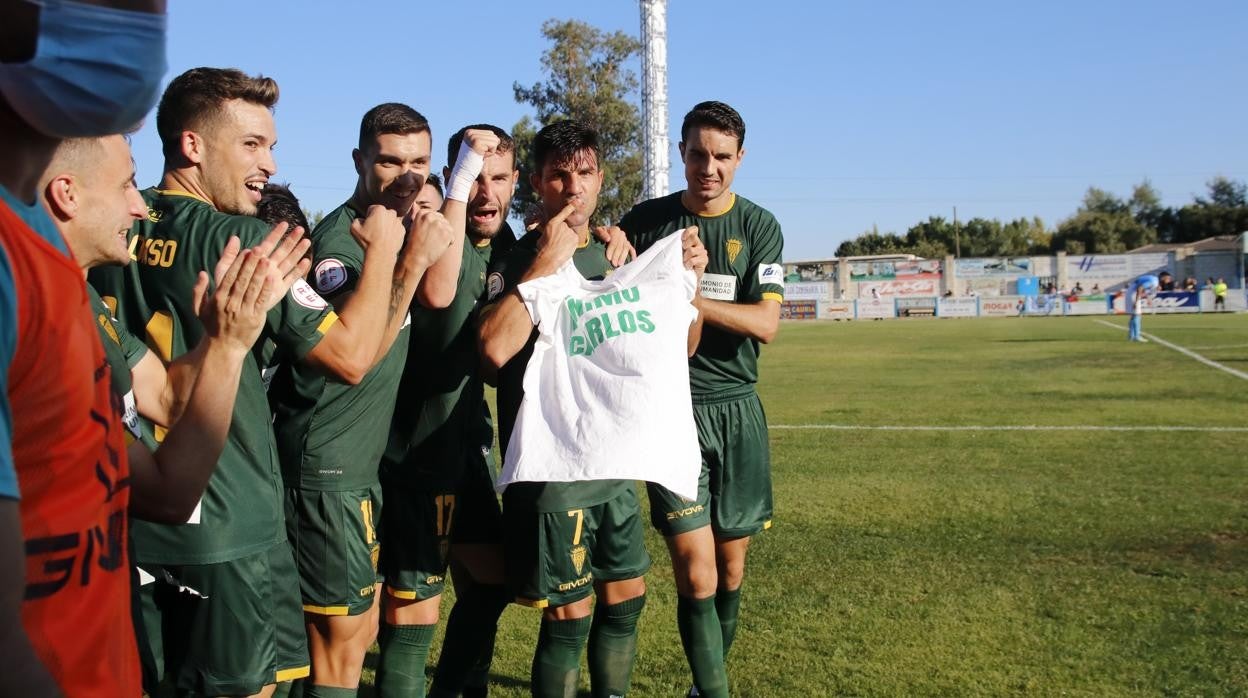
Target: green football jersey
{"x": 745, "y": 246}
{"x": 241, "y": 511}
{"x": 123, "y": 351}
{"x": 591, "y": 261}
{"x": 440, "y": 415}
{"x": 330, "y": 435}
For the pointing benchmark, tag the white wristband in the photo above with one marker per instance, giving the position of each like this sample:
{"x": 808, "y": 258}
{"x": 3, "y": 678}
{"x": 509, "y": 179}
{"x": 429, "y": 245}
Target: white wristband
{"x": 468, "y": 165}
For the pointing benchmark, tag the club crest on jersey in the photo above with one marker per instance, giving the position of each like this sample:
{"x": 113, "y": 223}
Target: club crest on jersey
{"x": 154, "y": 216}
{"x": 304, "y": 295}
{"x": 578, "y": 558}
{"x": 733, "y": 246}
{"x": 331, "y": 274}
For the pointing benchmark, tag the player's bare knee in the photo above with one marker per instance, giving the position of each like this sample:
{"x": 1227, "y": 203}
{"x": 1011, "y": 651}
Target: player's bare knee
{"x": 569, "y": 611}
{"x": 696, "y": 579}
{"x": 730, "y": 562}
{"x": 400, "y": 611}
{"x": 620, "y": 591}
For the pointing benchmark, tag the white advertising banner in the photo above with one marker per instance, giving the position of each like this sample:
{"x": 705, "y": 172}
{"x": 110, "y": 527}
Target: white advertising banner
{"x": 957, "y": 307}
{"x": 889, "y": 289}
{"x": 1085, "y": 307}
{"x": 815, "y": 291}
{"x": 869, "y": 309}
{"x": 1102, "y": 268}
{"x": 984, "y": 287}
{"x": 836, "y": 310}
{"x": 1001, "y": 306}
{"x": 993, "y": 266}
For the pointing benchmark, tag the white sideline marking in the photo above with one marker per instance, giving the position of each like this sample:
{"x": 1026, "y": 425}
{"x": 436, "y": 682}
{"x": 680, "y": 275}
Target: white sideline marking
{"x": 1186, "y": 352}
{"x": 1220, "y": 346}
{"x": 1004, "y": 427}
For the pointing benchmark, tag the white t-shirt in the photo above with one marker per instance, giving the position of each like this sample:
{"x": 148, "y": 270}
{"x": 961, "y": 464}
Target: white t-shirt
{"x": 606, "y": 392}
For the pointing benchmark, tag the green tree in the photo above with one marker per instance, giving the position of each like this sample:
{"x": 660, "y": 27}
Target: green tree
{"x": 587, "y": 79}
{"x": 1103, "y": 224}
{"x": 872, "y": 242}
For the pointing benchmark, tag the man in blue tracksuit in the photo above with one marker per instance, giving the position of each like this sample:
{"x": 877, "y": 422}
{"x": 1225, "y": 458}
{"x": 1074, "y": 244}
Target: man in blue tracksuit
{"x": 1133, "y": 298}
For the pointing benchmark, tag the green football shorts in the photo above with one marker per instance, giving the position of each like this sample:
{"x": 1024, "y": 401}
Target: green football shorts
{"x": 554, "y": 558}
{"x": 734, "y": 487}
{"x": 228, "y": 628}
{"x": 334, "y": 536}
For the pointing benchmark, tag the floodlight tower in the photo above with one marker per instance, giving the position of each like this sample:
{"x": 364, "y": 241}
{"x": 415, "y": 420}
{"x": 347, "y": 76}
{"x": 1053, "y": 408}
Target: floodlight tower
{"x": 654, "y": 98}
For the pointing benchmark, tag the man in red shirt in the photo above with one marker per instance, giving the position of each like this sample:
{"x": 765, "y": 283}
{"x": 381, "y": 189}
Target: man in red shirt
{"x": 66, "y": 69}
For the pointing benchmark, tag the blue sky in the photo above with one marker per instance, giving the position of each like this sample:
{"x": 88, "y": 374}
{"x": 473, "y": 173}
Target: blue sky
{"x": 857, "y": 113}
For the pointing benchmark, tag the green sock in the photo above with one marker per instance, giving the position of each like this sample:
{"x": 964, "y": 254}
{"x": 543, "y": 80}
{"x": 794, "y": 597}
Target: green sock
{"x": 613, "y": 646}
{"x": 290, "y": 689}
{"x": 313, "y": 691}
{"x": 703, "y": 640}
{"x": 469, "y": 640}
{"x": 728, "y": 605}
{"x": 401, "y": 668}
{"x": 557, "y": 661}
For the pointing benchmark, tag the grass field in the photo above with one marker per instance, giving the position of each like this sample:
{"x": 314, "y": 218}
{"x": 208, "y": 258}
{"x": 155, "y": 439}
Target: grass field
{"x": 953, "y": 562}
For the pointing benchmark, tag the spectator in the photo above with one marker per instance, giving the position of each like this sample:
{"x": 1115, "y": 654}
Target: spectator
{"x": 1219, "y": 295}
{"x": 1166, "y": 281}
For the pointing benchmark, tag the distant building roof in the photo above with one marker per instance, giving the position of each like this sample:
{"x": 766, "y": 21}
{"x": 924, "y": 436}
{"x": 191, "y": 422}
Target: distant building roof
{"x": 1218, "y": 243}
{"x": 896, "y": 257}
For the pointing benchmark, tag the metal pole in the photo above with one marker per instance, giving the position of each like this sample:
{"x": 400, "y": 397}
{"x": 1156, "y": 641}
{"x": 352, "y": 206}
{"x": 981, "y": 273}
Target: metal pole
{"x": 957, "y": 242}
{"x": 655, "y": 162}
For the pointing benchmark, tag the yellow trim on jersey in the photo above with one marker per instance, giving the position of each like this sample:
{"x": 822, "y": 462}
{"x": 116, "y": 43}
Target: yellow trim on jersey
{"x": 402, "y": 594}
{"x": 179, "y": 192}
{"x": 532, "y": 603}
{"x": 328, "y": 322}
{"x": 721, "y": 213}
{"x": 327, "y": 610}
{"x": 301, "y": 672}
{"x": 772, "y": 296}
{"x": 589, "y": 237}
{"x": 484, "y": 243}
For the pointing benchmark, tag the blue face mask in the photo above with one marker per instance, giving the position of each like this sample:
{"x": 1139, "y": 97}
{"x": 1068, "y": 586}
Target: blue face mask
{"x": 96, "y": 70}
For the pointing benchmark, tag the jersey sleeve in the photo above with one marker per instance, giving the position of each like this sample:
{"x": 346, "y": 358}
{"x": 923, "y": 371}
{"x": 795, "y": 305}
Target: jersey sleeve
{"x": 764, "y": 279}
{"x": 8, "y": 345}
{"x": 505, "y": 273}
{"x": 132, "y": 347}
{"x": 301, "y": 319}
{"x": 337, "y": 261}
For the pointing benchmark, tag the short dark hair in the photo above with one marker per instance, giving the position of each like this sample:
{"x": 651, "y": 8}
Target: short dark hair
{"x": 716, "y": 115}
{"x": 279, "y": 205}
{"x": 195, "y": 98}
{"x": 434, "y": 181}
{"x": 561, "y": 141}
{"x": 505, "y": 142}
{"x": 390, "y": 117}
